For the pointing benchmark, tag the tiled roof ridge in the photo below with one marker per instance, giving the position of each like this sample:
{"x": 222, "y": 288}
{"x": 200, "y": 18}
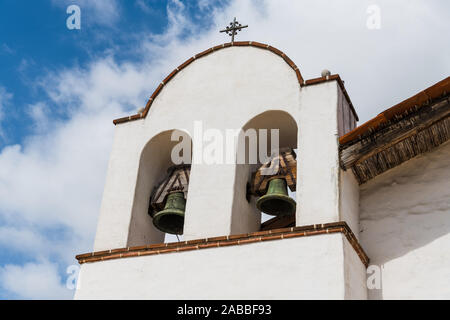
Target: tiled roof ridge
{"x": 223, "y": 241}
{"x": 413, "y": 103}
{"x": 300, "y": 79}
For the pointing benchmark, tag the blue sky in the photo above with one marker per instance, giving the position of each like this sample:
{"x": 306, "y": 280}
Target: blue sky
{"x": 61, "y": 88}
{"x": 35, "y": 41}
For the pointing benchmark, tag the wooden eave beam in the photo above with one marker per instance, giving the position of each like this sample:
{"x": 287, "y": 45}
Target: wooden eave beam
{"x": 392, "y": 134}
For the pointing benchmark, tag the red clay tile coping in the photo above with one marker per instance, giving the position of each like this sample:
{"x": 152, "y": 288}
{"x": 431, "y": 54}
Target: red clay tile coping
{"x": 237, "y": 44}
{"x": 232, "y": 240}
{"x": 419, "y": 100}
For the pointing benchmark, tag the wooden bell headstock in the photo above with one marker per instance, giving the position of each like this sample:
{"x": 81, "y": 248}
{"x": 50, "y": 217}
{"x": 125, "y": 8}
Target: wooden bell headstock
{"x": 282, "y": 166}
{"x": 177, "y": 179}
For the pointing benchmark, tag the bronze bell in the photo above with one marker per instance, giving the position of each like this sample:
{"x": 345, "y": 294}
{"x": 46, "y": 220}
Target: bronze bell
{"x": 168, "y": 200}
{"x": 171, "y": 219}
{"x": 276, "y": 201}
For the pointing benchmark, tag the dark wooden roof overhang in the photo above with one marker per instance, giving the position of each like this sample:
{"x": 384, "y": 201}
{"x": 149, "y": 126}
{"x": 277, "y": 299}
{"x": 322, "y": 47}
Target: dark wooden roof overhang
{"x": 414, "y": 126}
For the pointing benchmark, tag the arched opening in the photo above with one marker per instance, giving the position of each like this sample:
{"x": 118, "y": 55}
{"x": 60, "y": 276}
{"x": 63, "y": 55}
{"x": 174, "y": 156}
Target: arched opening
{"x": 163, "y": 151}
{"x": 274, "y": 129}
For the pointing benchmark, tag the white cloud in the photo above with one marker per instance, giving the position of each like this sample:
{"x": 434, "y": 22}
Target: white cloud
{"x": 25, "y": 240}
{"x": 380, "y": 67}
{"x": 6, "y": 49}
{"x": 55, "y": 178}
{"x": 39, "y": 114}
{"x": 5, "y": 99}
{"x": 144, "y": 6}
{"x": 32, "y": 241}
{"x": 34, "y": 281}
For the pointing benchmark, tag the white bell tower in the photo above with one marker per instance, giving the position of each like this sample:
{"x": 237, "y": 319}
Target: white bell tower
{"x": 226, "y": 253}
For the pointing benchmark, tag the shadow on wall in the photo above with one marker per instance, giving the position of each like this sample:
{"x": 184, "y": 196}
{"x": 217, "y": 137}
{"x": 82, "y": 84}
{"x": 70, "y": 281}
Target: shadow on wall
{"x": 245, "y": 216}
{"x": 155, "y": 160}
{"x": 405, "y": 213}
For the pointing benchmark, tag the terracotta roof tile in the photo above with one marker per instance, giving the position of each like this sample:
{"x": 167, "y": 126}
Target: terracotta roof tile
{"x": 278, "y": 52}
{"x": 225, "y": 241}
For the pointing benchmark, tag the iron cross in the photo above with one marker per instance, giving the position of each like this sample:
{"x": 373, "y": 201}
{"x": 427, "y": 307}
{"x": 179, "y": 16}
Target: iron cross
{"x": 233, "y": 28}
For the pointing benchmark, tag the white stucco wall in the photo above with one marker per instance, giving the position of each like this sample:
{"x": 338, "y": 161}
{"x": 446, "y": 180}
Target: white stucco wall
{"x": 225, "y": 90}
{"x": 354, "y": 274}
{"x": 318, "y": 156}
{"x": 297, "y": 268}
{"x": 349, "y": 200}
{"x": 405, "y": 227}
{"x": 245, "y": 215}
